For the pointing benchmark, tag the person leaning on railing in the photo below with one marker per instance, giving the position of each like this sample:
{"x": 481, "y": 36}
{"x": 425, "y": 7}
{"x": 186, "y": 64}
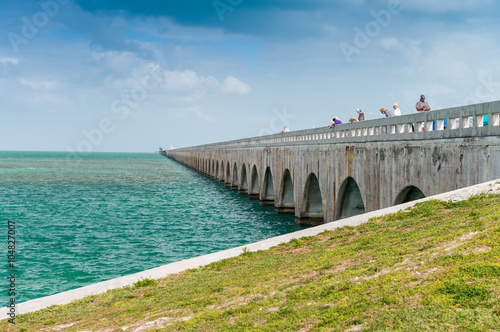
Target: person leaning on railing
{"x": 386, "y": 112}
{"x": 335, "y": 121}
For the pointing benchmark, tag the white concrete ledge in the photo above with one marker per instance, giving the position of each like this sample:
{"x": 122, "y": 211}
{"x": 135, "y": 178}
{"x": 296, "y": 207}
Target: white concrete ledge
{"x": 165, "y": 270}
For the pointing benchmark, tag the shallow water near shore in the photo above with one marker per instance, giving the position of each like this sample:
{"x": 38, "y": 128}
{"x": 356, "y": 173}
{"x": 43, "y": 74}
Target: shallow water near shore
{"x": 98, "y": 216}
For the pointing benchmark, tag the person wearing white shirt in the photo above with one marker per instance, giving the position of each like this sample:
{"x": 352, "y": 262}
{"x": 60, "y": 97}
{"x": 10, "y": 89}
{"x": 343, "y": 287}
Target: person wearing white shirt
{"x": 397, "y": 111}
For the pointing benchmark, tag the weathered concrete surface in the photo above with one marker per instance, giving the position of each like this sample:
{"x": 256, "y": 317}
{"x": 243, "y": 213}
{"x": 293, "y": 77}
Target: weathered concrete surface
{"x": 492, "y": 187}
{"x": 326, "y": 175}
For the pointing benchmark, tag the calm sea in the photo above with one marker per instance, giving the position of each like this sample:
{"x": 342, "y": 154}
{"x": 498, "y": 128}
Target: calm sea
{"x": 103, "y": 215}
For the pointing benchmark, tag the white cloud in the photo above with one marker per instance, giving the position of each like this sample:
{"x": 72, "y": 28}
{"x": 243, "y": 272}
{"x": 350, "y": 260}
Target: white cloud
{"x": 233, "y": 85}
{"x": 38, "y": 84}
{"x": 330, "y": 30}
{"x": 187, "y": 112}
{"x": 451, "y": 5}
{"x": 13, "y": 61}
{"x": 391, "y": 43}
{"x": 189, "y": 81}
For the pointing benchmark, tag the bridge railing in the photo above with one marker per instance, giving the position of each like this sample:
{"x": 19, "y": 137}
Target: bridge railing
{"x": 464, "y": 121}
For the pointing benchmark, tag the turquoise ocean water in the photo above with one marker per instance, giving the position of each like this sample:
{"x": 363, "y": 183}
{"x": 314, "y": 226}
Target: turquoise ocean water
{"x": 81, "y": 220}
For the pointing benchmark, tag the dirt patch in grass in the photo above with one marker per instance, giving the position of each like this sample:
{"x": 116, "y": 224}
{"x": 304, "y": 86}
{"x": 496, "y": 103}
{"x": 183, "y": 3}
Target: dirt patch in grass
{"x": 155, "y": 324}
{"x": 344, "y": 264}
{"x": 458, "y": 242}
{"x": 61, "y": 327}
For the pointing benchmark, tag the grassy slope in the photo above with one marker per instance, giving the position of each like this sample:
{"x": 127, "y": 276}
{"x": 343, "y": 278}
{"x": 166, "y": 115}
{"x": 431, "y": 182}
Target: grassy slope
{"x": 433, "y": 267}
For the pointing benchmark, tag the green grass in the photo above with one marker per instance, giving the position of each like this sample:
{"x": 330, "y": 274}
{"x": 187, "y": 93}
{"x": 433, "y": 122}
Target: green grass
{"x": 432, "y": 267}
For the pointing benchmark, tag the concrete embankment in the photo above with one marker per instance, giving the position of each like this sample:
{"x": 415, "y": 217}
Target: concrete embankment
{"x": 164, "y": 271}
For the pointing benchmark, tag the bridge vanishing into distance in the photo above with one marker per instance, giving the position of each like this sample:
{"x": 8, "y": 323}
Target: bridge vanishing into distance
{"x": 322, "y": 175}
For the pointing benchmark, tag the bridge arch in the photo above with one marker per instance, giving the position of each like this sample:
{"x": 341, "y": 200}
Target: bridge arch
{"x": 243, "y": 189}
{"x": 312, "y": 204}
{"x": 234, "y": 181}
{"x": 253, "y": 189}
{"x": 350, "y": 202}
{"x": 221, "y": 178}
{"x": 228, "y": 173}
{"x": 408, "y": 194}
{"x": 268, "y": 189}
{"x": 287, "y": 203}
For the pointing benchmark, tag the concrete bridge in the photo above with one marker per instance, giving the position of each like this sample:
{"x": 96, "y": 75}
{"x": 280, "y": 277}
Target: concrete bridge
{"x": 323, "y": 174}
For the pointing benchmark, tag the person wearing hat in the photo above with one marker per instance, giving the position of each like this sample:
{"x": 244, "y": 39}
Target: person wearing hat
{"x": 361, "y": 115}
{"x": 397, "y": 111}
{"x": 422, "y": 105}
{"x": 335, "y": 121}
{"x": 386, "y": 112}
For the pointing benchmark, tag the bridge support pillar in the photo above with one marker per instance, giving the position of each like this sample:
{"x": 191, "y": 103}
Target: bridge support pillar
{"x": 285, "y": 210}
{"x": 242, "y": 191}
{"x": 267, "y": 202}
{"x": 310, "y": 221}
{"x": 253, "y": 196}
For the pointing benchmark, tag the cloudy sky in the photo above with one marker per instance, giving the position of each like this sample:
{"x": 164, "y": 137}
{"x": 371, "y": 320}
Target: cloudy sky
{"x": 129, "y": 75}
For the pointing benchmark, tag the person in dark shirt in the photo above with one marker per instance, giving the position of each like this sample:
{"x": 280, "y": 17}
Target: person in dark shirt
{"x": 361, "y": 116}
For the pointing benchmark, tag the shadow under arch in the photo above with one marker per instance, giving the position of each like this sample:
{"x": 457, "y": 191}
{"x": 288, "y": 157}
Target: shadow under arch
{"x": 221, "y": 175}
{"x": 216, "y": 176}
{"x": 243, "y": 189}
{"x": 253, "y": 189}
{"x": 268, "y": 189}
{"x": 350, "y": 202}
{"x": 234, "y": 182}
{"x": 312, "y": 205}
{"x": 287, "y": 202}
{"x": 408, "y": 194}
{"x": 227, "y": 179}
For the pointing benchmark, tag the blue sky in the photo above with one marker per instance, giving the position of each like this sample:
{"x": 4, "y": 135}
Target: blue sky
{"x": 117, "y": 75}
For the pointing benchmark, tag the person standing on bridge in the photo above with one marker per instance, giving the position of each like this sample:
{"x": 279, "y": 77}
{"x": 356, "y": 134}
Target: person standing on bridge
{"x": 397, "y": 111}
{"x": 422, "y": 105}
{"x": 361, "y": 115}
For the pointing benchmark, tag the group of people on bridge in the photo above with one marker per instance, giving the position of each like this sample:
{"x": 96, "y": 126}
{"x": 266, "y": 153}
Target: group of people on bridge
{"x": 421, "y": 106}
